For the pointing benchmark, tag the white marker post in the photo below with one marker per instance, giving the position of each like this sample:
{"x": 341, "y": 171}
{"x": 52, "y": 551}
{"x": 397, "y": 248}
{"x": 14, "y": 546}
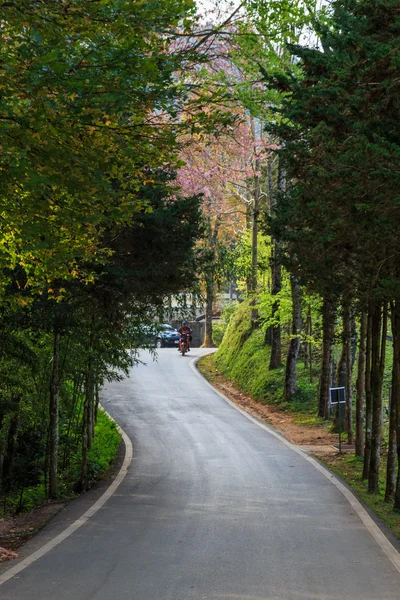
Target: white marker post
{"x": 338, "y": 396}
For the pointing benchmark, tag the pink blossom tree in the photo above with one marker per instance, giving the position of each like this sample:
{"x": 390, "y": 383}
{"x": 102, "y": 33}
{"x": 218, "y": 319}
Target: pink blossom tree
{"x": 226, "y": 170}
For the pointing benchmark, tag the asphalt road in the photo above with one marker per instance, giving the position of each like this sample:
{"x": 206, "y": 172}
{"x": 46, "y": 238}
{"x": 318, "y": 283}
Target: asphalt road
{"x": 213, "y": 507}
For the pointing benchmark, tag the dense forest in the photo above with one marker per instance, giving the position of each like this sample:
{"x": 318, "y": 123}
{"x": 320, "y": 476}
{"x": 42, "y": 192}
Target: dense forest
{"x": 94, "y": 234}
{"x": 149, "y": 150}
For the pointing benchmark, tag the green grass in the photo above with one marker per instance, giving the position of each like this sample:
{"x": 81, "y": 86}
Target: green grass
{"x": 103, "y": 451}
{"x": 349, "y": 468}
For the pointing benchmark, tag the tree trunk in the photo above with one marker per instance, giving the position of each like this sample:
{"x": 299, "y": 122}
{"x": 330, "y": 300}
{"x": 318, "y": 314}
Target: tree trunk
{"x": 328, "y": 330}
{"x": 210, "y": 289}
{"x": 208, "y": 339}
{"x": 396, "y": 391}
{"x": 85, "y": 420}
{"x": 248, "y": 219}
{"x": 310, "y": 348}
{"x": 88, "y": 407}
{"x": 308, "y": 344}
{"x": 360, "y": 386}
{"x": 53, "y": 426}
{"x": 294, "y": 345}
{"x": 349, "y": 395}
{"x": 379, "y": 328}
{"x": 341, "y": 369}
{"x": 97, "y": 403}
{"x": 11, "y": 444}
{"x": 254, "y": 245}
{"x": 392, "y": 445}
{"x": 368, "y": 397}
{"x": 353, "y": 339}
{"x": 90, "y": 400}
{"x": 271, "y": 186}
{"x": 276, "y": 349}
{"x": 271, "y": 194}
{"x": 275, "y": 333}
{"x": 75, "y": 396}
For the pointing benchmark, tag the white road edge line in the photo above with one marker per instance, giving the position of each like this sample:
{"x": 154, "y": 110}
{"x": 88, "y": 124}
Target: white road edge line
{"x": 371, "y": 526}
{"x": 13, "y": 571}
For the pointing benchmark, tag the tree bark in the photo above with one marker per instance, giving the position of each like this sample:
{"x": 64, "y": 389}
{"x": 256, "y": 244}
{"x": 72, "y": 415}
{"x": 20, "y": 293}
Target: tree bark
{"x": 254, "y": 245}
{"x": 396, "y": 391}
{"x": 341, "y": 369}
{"x": 53, "y": 410}
{"x": 85, "y": 420}
{"x": 310, "y": 348}
{"x": 368, "y": 397}
{"x": 328, "y": 330}
{"x": 276, "y": 346}
{"x": 392, "y": 445}
{"x": 275, "y": 330}
{"x": 360, "y": 386}
{"x": 11, "y": 444}
{"x": 75, "y": 395}
{"x": 378, "y": 342}
{"x": 210, "y": 292}
{"x": 294, "y": 345}
{"x": 90, "y": 399}
{"x": 349, "y": 395}
{"x": 208, "y": 338}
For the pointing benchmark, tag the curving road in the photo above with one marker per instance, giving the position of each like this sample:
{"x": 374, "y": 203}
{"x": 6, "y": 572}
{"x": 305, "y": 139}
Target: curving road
{"x": 213, "y": 507}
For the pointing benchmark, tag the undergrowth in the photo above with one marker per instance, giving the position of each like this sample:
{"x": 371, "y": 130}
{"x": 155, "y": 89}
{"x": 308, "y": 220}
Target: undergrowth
{"x": 100, "y": 456}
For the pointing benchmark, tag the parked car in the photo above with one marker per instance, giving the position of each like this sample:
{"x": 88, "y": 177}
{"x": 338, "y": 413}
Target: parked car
{"x": 165, "y": 335}
{"x": 157, "y": 335}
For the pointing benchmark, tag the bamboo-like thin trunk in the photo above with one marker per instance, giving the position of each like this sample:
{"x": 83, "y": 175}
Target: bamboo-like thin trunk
{"x": 75, "y": 396}
{"x": 53, "y": 412}
{"x": 85, "y": 420}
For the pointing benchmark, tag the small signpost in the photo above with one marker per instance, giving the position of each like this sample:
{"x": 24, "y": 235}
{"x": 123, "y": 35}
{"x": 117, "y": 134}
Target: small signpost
{"x": 338, "y": 396}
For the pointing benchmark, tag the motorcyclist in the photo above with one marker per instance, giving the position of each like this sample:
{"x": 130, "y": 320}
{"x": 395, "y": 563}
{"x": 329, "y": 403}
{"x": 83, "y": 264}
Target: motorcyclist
{"x": 185, "y": 330}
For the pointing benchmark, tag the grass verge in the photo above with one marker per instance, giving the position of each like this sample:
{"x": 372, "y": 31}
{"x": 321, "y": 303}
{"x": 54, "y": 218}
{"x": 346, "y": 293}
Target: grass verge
{"x": 349, "y": 468}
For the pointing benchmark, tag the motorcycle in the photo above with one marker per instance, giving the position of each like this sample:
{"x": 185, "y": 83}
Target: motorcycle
{"x": 184, "y": 343}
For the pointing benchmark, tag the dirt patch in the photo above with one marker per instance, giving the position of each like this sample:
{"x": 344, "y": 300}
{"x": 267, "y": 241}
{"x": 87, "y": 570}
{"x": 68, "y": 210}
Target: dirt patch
{"x": 15, "y": 530}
